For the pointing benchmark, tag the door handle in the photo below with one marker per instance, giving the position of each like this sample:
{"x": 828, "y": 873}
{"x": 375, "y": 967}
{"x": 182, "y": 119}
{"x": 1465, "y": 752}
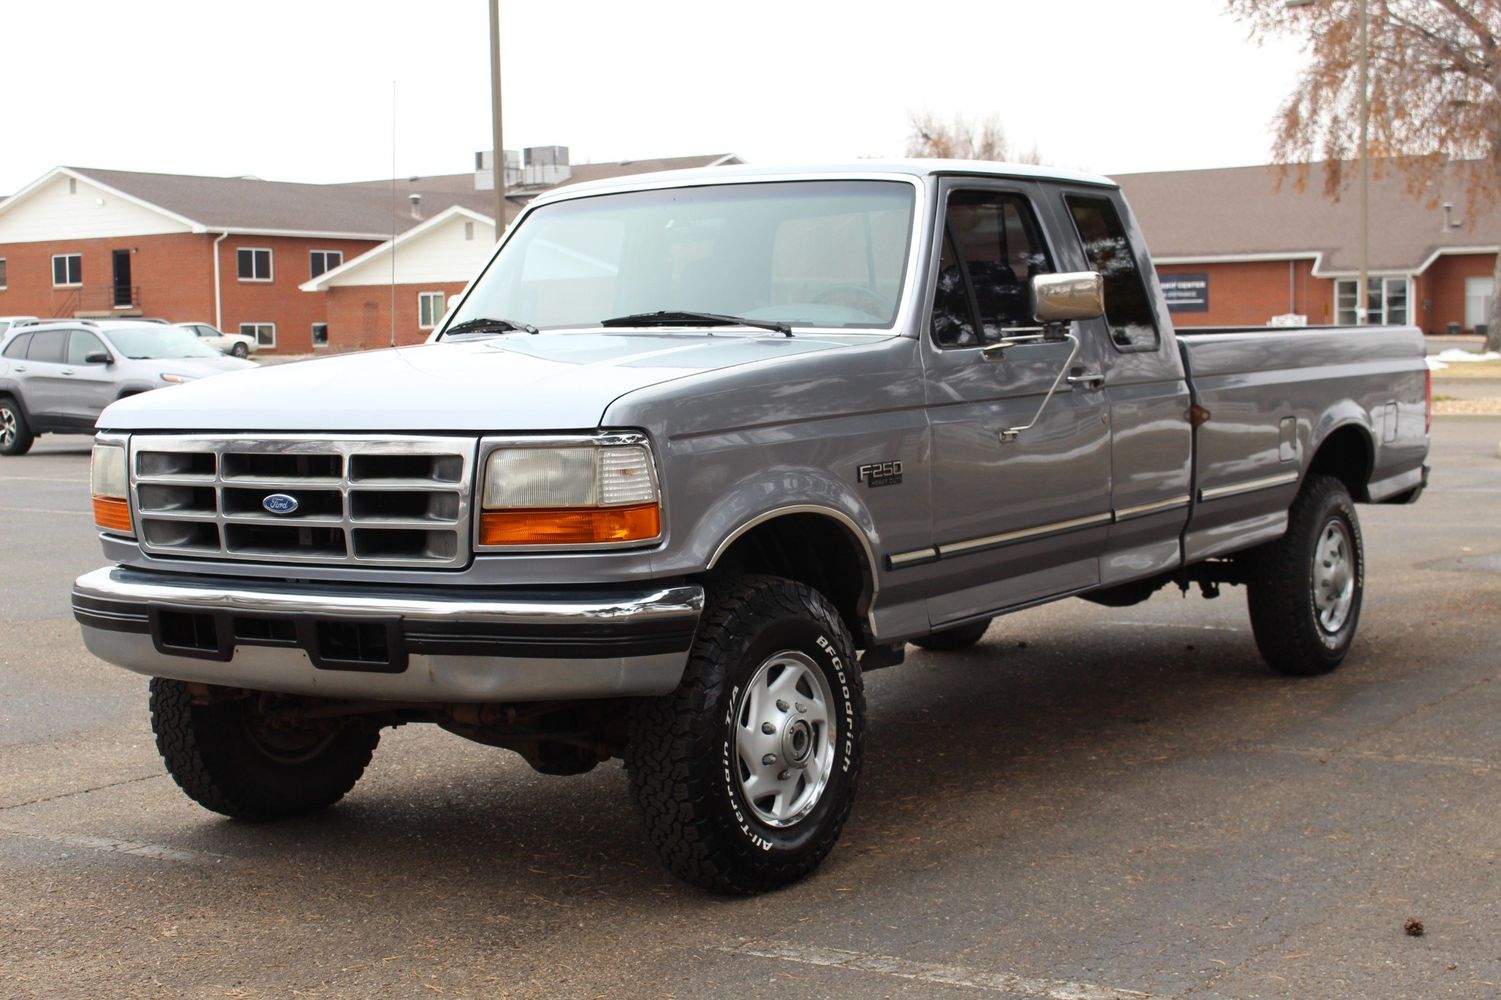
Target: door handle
{"x": 1091, "y": 380}
{"x": 67, "y": 371}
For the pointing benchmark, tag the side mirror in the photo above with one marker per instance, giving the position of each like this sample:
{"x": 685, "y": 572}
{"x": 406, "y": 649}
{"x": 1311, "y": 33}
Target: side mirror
{"x": 99, "y": 358}
{"x": 1061, "y": 298}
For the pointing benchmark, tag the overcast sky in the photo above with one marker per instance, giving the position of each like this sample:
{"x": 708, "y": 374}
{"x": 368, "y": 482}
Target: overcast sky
{"x": 303, "y": 90}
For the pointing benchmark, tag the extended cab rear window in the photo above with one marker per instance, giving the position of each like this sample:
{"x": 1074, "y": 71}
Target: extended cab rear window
{"x": 1128, "y": 309}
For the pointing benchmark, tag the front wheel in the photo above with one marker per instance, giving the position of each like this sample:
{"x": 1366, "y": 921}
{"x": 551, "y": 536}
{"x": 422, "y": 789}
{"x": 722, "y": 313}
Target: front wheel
{"x": 1304, "y": 589}
{"x": 15, "y": 436}
{"x": 745, "y": 774}
{"x": 239, "y": 350}
{"x": 232, "y": 758}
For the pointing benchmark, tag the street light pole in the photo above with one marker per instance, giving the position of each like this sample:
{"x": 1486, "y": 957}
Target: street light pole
{"x": 1364, "y": 298}
{"x": 498, "y": 153}
{"x": 1363, "y": 291}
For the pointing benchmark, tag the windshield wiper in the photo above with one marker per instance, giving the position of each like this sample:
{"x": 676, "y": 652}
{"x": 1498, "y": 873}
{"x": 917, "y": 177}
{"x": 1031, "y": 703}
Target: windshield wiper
{"x": 487, "y": 325}
{"x": 680, "y": 318}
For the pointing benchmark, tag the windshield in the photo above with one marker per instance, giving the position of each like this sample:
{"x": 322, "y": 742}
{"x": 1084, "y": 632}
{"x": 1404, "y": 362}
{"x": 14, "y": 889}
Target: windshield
{"x": 812, "y": 253}
{"x": 142, "y": 342}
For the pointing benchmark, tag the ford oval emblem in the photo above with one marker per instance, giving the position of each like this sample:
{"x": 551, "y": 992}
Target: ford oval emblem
{"x": 280, "y": 503}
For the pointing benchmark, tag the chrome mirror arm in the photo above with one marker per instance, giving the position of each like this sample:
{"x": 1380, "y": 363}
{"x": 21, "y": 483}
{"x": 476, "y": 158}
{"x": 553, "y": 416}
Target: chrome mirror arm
{"x": 1010, "y": 433}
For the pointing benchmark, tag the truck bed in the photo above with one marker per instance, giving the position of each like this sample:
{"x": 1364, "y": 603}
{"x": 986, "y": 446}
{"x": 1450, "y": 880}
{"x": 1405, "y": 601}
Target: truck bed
{"x": 1275, "y": 396}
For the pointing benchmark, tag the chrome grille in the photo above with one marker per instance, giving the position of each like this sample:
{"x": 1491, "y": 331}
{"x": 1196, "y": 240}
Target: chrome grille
{"x": 360, "y": 501}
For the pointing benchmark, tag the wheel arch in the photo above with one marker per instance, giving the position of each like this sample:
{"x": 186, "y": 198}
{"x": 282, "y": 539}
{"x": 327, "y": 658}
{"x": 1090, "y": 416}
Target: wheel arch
{"x": 819, "y": 546}
{"x": 1346, "y": 451}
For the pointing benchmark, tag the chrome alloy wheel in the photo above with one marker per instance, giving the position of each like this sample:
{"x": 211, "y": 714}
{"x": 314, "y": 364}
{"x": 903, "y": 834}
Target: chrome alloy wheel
{"x": 785, "y": 734}
{"x": 1333, "y": 577}
{"x": 7, "y": 427}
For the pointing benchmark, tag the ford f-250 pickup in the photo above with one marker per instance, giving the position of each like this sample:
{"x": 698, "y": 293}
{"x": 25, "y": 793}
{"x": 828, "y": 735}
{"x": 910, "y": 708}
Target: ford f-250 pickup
{"x": 695, "y": 450}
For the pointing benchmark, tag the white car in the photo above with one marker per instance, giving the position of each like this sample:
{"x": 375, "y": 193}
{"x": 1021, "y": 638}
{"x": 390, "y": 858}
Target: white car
{"x": 237, "y": 344}
{"x": 6, "y": 322}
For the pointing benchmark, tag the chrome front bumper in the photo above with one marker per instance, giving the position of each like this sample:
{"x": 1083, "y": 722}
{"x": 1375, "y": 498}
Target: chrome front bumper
{"x": 434, "y": 644}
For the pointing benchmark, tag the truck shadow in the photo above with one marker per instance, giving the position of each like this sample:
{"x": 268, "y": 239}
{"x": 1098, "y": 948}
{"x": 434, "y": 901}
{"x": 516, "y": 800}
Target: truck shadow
{"x": 1027, "y": 722}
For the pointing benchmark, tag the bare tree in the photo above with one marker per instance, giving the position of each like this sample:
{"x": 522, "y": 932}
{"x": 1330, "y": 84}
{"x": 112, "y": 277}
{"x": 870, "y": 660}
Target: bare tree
{"x": 1434, "y": 95}
{"x": 962, "y": 139}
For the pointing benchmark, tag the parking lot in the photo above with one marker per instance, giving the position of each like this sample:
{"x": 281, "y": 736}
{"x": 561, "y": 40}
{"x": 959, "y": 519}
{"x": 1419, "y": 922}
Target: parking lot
{"x": 1093, "y": 803}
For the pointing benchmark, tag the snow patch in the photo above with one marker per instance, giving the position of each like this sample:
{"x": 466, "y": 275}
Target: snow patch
{"x": 1462, "y": 356}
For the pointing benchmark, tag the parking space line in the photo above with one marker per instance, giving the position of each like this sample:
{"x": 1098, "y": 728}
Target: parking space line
{"x": 1190, "y": 627}
{"x": 927, "y": 972}
{"x": 108, "y": 845}
{"x": 41, "y": 479}
{"x": 43, "y": 510}
{"x": 1437, "y": 760}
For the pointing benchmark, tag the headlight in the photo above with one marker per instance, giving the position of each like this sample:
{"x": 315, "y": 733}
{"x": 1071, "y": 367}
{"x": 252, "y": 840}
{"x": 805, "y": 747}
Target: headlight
{"x": 177, "y": 379}
{"x": 585, "y": 494}
{"x": 108, "y": 483}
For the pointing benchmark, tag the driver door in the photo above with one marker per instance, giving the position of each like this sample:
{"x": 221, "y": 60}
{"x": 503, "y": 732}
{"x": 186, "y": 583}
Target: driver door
{"x": 1020, "y": 517}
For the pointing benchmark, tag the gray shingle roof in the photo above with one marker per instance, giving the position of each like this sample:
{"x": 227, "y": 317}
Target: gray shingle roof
{"x": 364, "y": 208}
{"x": 1239, "y": 211}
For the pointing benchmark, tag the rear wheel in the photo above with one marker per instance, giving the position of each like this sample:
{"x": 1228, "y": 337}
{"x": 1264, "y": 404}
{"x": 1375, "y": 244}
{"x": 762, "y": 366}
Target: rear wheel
{"x": 230, "y": 757}
{"x": 16, "y": 437}
{"x": 745, "y": 774}
{"x": 950, "y": 639}
{"x": 1304, "y": 590}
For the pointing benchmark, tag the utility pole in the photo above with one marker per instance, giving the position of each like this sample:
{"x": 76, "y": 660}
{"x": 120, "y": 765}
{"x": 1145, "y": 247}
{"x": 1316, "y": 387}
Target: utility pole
{"x": 1362, "y": 313}
{"x": 498, "y": 154}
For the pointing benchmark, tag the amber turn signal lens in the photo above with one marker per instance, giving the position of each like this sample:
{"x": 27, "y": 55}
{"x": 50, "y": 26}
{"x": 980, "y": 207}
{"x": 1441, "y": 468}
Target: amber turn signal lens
{"x": 112, "y": 514}
{"x": 573, "y": 526}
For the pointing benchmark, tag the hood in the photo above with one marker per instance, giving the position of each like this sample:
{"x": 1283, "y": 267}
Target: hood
{"x": 547, "y": 381}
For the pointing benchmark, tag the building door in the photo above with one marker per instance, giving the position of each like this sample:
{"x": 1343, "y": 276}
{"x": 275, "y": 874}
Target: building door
{"x": 123, "y": 297}
{"x": 1478, "y": 292}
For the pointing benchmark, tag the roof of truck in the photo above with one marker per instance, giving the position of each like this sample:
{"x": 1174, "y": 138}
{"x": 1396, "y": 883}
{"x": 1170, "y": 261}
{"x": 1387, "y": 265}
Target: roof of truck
{"x": 855, "y": 168}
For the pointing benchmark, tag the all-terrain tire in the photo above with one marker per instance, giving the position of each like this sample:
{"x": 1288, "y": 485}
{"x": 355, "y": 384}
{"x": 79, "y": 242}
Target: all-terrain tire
{"x": 949, "y": 640}
{"x": 213, "y": 754}
{"x": 1304, "y": 590}
{"x": 687, "y": 766}
{"x": 16, "y": 437}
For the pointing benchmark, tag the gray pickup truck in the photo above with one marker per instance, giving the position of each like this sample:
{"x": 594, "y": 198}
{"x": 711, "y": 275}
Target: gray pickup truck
{"x": 693, "y": 452}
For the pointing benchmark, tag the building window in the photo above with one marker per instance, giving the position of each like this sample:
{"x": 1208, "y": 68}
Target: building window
{"x": 429, "y": 309}
{"x": 468, "y": 230}
{"x": 323, "y": 260}
{"x": 254, "y": 264}
{"x": 1478, "y": 292}
{"x": 2, "y": 274}
{"x": 264, "y": 333}
{"x": 1386, "y": 301}
{"x": 320, "y": 334}
{"x": 67, "y": 269}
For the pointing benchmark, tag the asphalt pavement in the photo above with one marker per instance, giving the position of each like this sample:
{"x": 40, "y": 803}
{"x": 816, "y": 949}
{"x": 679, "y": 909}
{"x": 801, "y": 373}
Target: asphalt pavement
{"x": 1093, "y": 803}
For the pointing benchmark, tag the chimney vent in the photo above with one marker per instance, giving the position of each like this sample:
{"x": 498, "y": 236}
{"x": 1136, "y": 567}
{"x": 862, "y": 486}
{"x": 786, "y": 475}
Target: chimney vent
{"x": 416, "y": 200}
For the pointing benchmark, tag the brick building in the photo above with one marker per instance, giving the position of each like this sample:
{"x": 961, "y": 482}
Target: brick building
{"x": 1231, "y": 249}
{"x": 236, "y": 251}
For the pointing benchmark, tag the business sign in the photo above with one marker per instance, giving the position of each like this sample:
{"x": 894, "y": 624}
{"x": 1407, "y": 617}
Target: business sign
{"x": 1188, "y": 292}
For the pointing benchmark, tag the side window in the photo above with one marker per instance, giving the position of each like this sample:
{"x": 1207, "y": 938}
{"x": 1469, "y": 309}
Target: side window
{"x": 1128, "y": 309}
{"x": 81, "y": 344}
{"x": 48, "y": 345}
{"x": 992, "y": 248}
{"x": 17, "y": 347}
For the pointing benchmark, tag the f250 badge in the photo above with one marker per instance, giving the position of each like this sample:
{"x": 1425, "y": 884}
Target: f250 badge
{"x": 881, "y": 473}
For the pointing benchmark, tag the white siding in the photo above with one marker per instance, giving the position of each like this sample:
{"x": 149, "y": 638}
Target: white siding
{"x": 441, "y": 254}
{"x": 51, "y": 214}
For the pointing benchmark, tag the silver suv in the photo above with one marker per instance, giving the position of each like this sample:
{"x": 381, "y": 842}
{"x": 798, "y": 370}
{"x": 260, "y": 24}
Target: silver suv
{"x": 57, "y": 377}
